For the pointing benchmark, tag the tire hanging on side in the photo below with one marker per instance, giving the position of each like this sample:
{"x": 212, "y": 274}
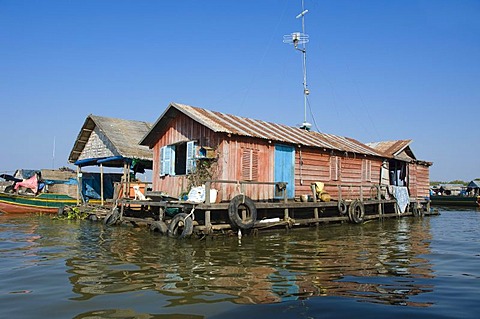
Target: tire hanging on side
{"x": 113, "y": 217}
{"x": 342, "y": 207}
{"x": 181, "y": 226}
{"x": 237, "y": 204}
{"x": 159, "y": 227}
{"x": 356, "y": 212}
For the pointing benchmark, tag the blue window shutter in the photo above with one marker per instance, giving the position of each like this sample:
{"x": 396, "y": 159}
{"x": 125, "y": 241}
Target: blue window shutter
{"x": 167, "y": 160}
{"x": 171, "y": 161}
{"x": 162, "y": 161}
{"x": 190, "y": 157}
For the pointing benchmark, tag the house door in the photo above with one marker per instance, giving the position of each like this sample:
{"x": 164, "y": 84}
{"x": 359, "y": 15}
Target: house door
{"x": 285, "y": 169}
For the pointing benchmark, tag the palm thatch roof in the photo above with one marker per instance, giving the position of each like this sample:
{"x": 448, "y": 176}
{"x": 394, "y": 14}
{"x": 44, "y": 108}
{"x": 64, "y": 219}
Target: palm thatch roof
{"x": 112, "y": 140}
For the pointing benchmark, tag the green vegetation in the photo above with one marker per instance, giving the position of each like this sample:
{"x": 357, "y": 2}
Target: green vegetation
{"x": 72, "y": 213}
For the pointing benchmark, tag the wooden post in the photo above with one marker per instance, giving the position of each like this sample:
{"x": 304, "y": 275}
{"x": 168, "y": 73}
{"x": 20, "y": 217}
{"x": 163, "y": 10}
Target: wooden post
{"x": 161, "y": 214}
{"x": 207, "y": 193}
{"x": 379, "y": 197}
{"x": 101, "y": 183}
{"x": 127, "y": 171}
{"x": 285, "y": 199}
{"x": 314, "y": 192}
{"x": 125, "y": 181}
{"x": 122, "y": 209}
{"x": 79, "y": 184}
{"x": 208, "y": 223}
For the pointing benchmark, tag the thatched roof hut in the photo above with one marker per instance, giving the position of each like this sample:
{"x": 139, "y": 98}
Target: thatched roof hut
{"x": 111, "y": 142}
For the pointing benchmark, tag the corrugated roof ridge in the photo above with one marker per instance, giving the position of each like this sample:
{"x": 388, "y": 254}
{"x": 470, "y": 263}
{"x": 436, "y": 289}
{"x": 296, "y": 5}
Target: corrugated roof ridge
{"x": 243, "y": 126}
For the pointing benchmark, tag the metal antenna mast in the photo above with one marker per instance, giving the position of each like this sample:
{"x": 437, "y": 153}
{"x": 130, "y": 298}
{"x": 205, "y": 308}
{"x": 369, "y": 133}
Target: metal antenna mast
{"x": 299, "y": 41}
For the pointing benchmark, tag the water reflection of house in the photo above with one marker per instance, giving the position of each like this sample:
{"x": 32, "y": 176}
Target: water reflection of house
{"x": 371, "y": 263}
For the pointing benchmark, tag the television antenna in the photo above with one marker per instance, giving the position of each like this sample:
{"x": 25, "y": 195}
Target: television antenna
{"x": 299, "y": 41}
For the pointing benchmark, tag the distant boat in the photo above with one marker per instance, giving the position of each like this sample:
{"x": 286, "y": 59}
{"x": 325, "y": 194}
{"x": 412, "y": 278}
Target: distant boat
{"x": 455, "y": 200}
{"x": 457, "y": 195}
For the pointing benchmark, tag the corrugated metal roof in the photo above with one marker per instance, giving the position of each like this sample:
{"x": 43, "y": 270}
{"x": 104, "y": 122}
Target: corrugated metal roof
{"x": 390, "y": 148}
{"x": 236, "y": 125}
{"x": 124, "y": 135}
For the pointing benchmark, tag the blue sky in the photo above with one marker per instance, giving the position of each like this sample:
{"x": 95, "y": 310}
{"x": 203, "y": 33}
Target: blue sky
{"x": 377, "y": 70}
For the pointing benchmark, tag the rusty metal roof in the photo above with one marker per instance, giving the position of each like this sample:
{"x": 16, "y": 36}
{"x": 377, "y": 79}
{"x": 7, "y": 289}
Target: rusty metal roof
{"x": 236, "y": 125}
{"x": 122, "y": 134}
{"x": 392, "y": 148}
{"x": 399, "y": 149}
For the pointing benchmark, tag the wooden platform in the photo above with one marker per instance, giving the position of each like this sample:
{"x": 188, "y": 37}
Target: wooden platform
{"x": 213, "y": 218}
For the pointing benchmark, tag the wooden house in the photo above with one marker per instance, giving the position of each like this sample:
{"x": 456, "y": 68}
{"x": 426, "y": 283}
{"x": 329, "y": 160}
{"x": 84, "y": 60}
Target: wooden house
{"x": 111, "y": 142}
{"x": 404, "y": 169}
{"x": 243, "y": 155}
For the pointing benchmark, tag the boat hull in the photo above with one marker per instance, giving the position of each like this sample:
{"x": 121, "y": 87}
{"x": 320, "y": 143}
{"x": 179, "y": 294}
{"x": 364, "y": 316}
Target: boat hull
{"x": 455, "y": 200}
{"x": 43, "y": 203}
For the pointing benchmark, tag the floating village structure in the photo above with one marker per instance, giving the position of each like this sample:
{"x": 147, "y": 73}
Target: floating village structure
{"x": 259, "y": 152}
{"x": 110, "y": 143}
{"x": 215, "y": 171}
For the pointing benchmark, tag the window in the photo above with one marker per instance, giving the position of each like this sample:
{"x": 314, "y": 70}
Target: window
{"x": 177, "y": 159}
{"x": 366, "y": 170}
{"x": 335, "y": 164}
{"x": 249, "y": 164}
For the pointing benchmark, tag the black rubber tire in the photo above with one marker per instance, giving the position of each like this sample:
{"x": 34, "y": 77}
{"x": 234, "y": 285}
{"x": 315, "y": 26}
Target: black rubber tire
{"x": 112, "y": 217}
{"x": 180, "y": 226}
{"x": 356, "y": 212}
{"x": 342, "y": 207}
{"x": 159, "y": 227}
{"x": 237, "y": 204}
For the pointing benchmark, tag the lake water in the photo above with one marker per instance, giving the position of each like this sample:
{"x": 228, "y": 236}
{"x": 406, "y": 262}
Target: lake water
{"x": 396, "y": 268}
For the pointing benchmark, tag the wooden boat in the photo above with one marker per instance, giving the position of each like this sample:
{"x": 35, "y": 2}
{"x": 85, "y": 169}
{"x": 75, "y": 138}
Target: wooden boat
{"x": 42, "y": 203}
{"x": 455, "y": 200}
{"x": 30, "y": 194}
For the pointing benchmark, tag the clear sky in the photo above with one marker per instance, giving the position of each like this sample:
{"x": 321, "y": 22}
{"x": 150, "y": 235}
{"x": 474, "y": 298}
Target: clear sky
{"x": 377, "y": 70}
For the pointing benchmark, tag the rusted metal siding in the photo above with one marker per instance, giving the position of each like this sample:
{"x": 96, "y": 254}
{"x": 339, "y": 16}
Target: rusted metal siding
{"x": 245, "y": 149}
{"x": 313, "y": 165}
{"x": 182, "y": 129}
{"x": 232, "y": 164}
{"x": 419, "y": 180}
{"x": 230, "y": 152}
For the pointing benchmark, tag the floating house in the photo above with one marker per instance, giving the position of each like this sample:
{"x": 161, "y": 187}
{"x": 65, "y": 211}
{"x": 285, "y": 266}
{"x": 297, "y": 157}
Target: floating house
{"x": 261, "y": 155}
{"x": 113, "y": 143}
{"x": 239, "y": 174}
{"x": 404, "y": 169}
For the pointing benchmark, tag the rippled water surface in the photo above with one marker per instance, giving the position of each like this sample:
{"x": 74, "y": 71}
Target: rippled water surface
{"x": 395, "y": 268}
